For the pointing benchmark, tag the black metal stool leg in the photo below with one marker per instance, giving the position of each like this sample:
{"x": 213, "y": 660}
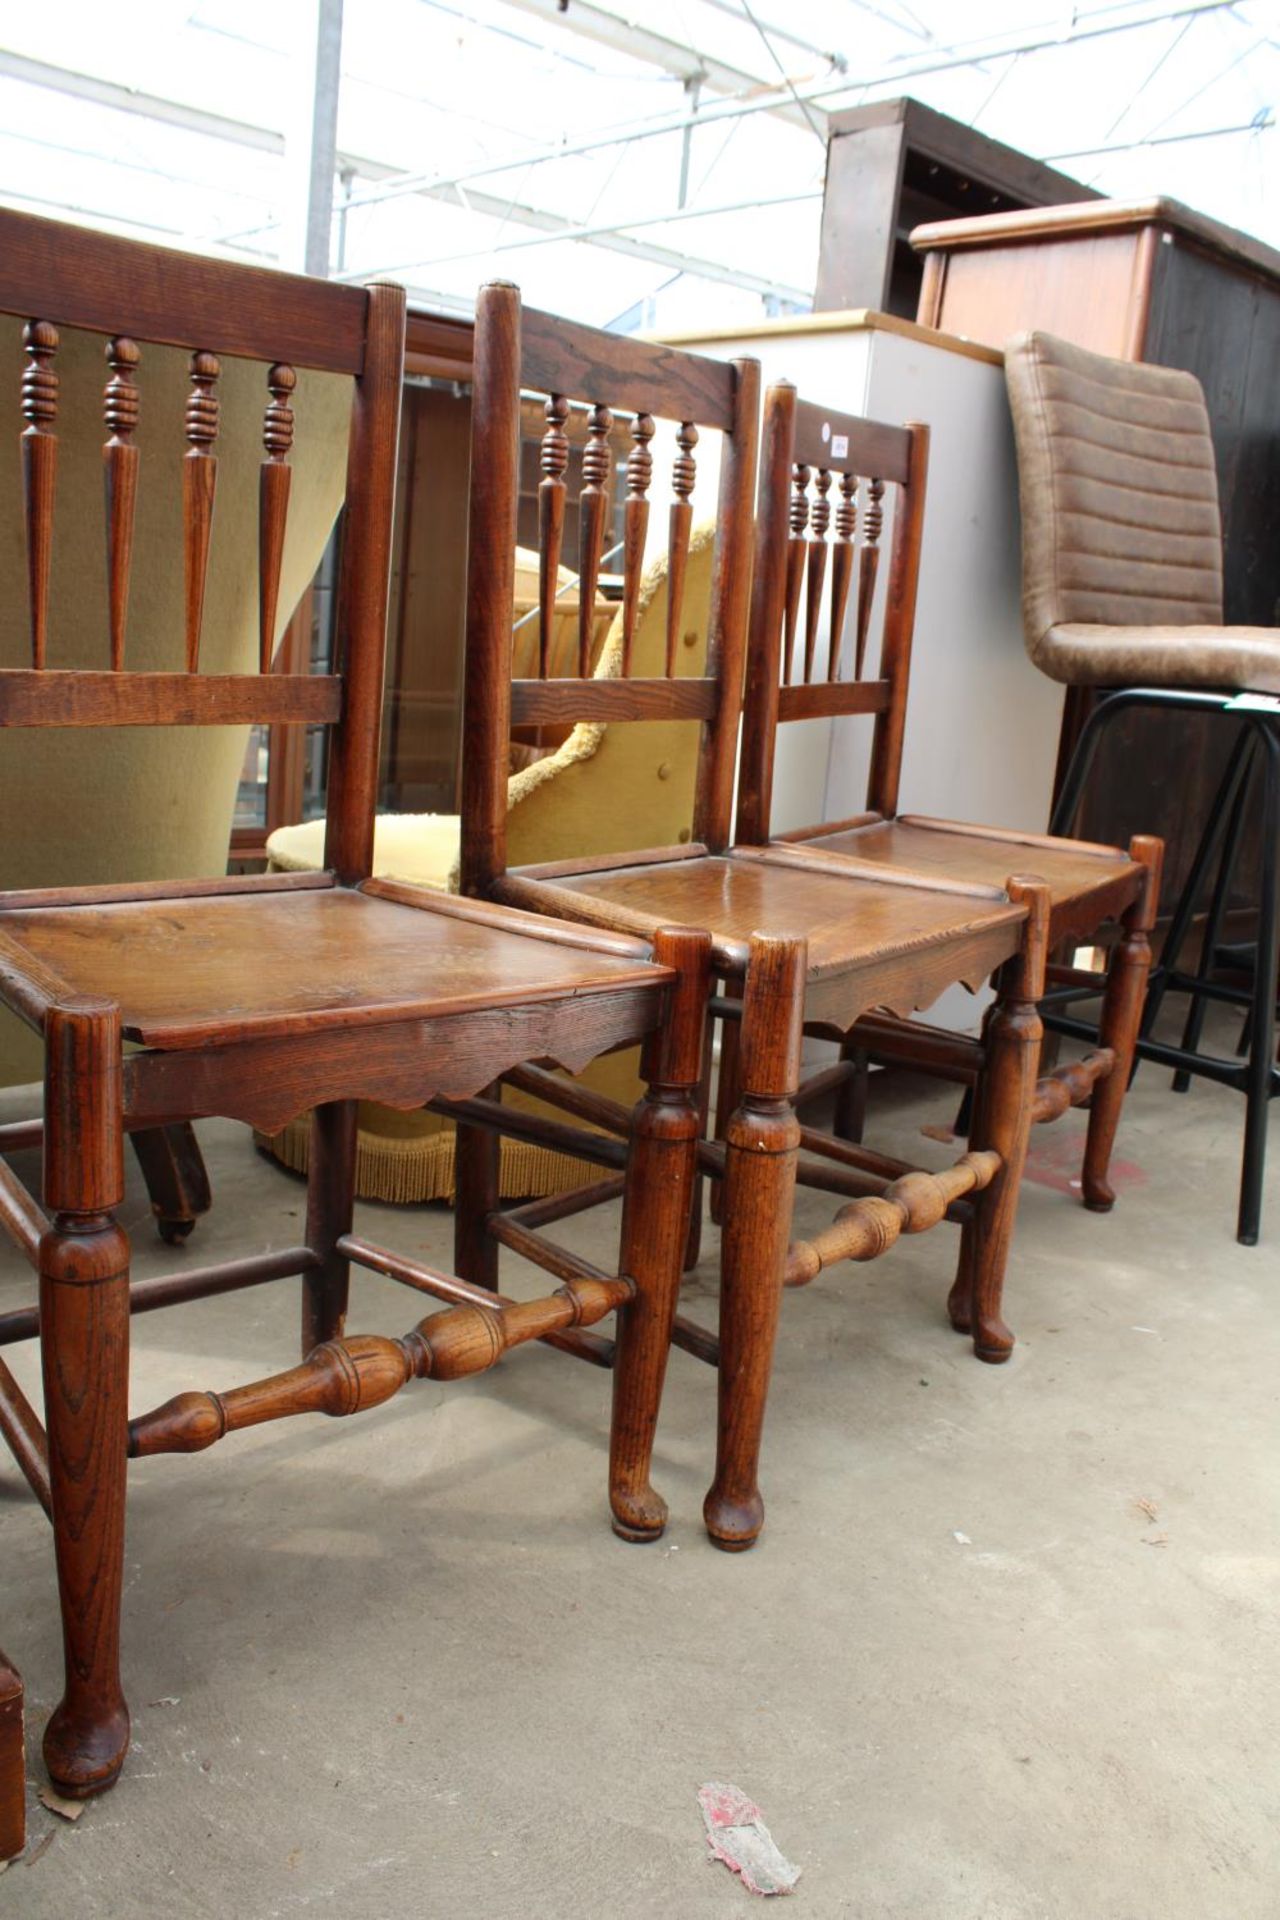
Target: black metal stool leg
{"x": 1217, "y": 910}
{"x": 1192, "y": 886}
{"x": 1262, "y": 1069}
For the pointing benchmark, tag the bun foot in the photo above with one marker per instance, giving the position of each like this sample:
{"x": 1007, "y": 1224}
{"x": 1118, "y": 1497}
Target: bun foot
{"x": 993, "y": 1342}
{"x": 85, "y": 1758}
{"x": 733, "y": 1525}
{"x": 641, "y": 1519}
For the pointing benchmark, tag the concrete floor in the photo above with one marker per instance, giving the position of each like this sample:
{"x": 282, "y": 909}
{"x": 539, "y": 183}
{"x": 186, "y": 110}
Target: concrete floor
{"x": 1007, "y": 1651}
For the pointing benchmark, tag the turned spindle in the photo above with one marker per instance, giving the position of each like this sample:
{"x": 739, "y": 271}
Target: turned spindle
{"x": 816, "y": 573}
{"x": 199, "y": 483}
{"x": 359, "y": 1371}
{"x": 635, "y": 528}
{"x": 591, "y": 511}
{"x": 553, "y": 459}
{"x": 867, "y": 1228}
{"x": 797, "y": 546}
{"x": 277, "y": 438}
{"x": 120, "y": 469}
{"x": 872, "y": 521}
{"x": 684, "y": 472}
{"x": 39, "y": 470}
{"x": 841, "y": 569}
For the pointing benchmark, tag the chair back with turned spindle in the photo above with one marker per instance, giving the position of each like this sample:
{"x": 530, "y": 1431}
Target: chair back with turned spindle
{"x": 609, "y": 380}
{"x": 138, "y": 297}
{"x": 815, "y": 654}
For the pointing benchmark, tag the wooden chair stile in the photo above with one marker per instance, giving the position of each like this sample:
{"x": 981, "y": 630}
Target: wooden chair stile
{"x": 1088, "y": 884}
{"x": 792, "y": 942}
{"x": 260, "y": 998}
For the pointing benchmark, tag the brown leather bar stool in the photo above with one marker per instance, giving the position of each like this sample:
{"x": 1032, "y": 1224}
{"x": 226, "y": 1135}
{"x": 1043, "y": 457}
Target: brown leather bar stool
{"x": 1122, "y": 588}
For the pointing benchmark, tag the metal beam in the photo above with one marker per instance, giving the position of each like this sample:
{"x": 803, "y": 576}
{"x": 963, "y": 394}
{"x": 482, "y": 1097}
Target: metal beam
{"x": 322, "y": 158}
{"x": 638, "y": 42}
{"x": 555, "y": 225}
{"x": 775, "y": 32}
{"x": 599, "y": 231}
{"x": 107, "y": 93}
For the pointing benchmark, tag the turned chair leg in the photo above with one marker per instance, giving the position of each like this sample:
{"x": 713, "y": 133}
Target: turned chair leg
{"x": 693, "y": 1245}
{"x": 331, "y": 1193}
{"x": 850, "y": 1118}
{"x": 661, "y": 1180}
{"x": 1002, "y": 1122}
{"x": 1118, "y": 1028}
{"x": 177, "y": 1180}
{"x": 84, "y": 1341}
{"x": 762, "y": 1139}
{"x": 476, "y": 1196}
{"x": 728, "y": 1086}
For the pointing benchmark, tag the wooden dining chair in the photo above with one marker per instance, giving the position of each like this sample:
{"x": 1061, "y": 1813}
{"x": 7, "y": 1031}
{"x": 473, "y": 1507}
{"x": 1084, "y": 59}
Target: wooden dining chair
{"x": 813, "y": 658}
{"x": 257, "y": 998}
{"x": 791, "y": 942}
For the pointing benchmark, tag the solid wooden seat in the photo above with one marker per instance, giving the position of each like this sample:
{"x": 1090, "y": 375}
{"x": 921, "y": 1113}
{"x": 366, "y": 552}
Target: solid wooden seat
{"x": 1085, "y": 880}
{"x": 871, "y": 929}
{"x": 240, "y": 966}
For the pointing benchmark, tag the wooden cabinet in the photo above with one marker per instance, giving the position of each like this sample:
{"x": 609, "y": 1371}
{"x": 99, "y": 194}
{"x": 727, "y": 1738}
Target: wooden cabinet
{"x": 896, "y": 163}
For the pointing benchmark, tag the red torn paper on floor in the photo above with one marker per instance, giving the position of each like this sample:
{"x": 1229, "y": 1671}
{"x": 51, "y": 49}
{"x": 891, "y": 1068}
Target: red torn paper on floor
{"x": 737, "y": 1834}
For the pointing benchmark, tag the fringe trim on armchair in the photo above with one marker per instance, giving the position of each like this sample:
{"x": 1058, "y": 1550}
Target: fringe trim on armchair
{"x": 410, "y": 1171}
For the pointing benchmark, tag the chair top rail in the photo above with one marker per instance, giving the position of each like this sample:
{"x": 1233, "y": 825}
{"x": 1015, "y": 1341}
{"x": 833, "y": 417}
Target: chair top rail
{"x": 74, "y": 277}
{"x": 846, "y": 443}
{"x": 81, "y": 697}
{"x": 578, "y": 362}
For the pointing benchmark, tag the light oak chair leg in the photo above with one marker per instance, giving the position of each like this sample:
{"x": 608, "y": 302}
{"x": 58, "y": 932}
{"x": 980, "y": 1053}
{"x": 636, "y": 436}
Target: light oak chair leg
{"x": 331, "y": 1189}
{"x": 762, "y": 1139}
{"x": 84, "y": 1340}
{"x": 476, "y": 1196}
{"x": 1122, "y": 1005}
{"x": 1002, "y": 1122}
{"x": 661, "y": 1183}
{"x": 13, "y": 1784}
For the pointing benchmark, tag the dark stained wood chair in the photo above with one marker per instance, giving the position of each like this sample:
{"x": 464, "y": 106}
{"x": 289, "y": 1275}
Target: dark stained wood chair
{"x": 258, "y": 998}
{"x": 802, "y": 666}
{"x": 792, "y": 943}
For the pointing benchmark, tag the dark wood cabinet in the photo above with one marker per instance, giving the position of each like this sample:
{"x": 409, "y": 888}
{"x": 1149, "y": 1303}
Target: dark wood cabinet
{"x": 897, "y": 163}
